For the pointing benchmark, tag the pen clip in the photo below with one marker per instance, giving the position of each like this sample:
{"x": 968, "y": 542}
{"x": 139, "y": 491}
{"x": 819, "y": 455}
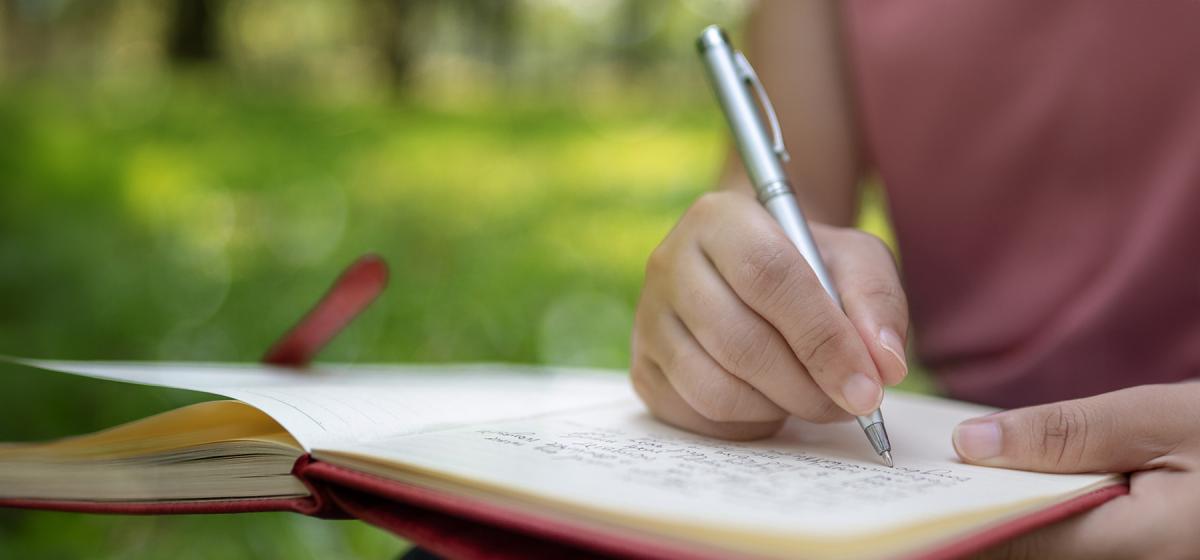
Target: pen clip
{"x": 751, "y": 78}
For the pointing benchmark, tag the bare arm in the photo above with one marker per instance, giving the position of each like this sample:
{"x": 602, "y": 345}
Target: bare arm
{"x": 797, "y": 50}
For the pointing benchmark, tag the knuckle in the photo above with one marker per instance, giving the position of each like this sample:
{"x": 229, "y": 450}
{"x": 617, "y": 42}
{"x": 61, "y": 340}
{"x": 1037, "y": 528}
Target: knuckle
{"x": 675, "y": 364}
{"x": 649, "y": 384}
{"x": 637, "y": 372}
{"x": 744, "y": 351}
{"x": 821, "y": 339}
{"x": 637, "y": 378}
{"x": 719, "y": 406}
{"x": 876, "y": 287}
{"x": 882, "y": 291}
{"x": 706, "y": 205}
{"x": 637, "y": 349}
{"x": 658, "y": 261}
{"x": 644, "y": 386}
{"x": 718, "y": 402}
{"x": 641, "y": 339}
{"x": 770, "y": 270}
{"x": 1063, "y": 433}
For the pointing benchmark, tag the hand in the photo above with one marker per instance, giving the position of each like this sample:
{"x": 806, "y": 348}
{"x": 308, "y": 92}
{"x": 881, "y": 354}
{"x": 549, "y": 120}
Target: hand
{"x": 1152, "y": 431}
{"x": 734, "y": 333}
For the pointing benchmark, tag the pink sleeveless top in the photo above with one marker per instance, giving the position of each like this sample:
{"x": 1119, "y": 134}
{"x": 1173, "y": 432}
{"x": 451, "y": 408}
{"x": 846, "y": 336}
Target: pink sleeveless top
{"x": 1042, "y": 163}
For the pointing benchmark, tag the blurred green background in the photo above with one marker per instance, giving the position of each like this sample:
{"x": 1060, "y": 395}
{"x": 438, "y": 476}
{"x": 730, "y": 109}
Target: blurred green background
{"x": 180, "y": 180}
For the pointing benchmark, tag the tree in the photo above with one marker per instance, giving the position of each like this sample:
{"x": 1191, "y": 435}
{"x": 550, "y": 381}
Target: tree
{"x": 193, "y": 35}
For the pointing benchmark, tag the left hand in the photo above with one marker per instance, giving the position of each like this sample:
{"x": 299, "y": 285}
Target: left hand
{"x": 1152, "y": 431}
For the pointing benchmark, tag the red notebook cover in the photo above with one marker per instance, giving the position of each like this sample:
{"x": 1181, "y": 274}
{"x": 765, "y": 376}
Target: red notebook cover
{"x": 469, "y": 529}
{"x": 461, "y": 528}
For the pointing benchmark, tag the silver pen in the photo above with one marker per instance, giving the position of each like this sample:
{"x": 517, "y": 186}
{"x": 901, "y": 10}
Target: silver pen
{"x": 732, "y": 78}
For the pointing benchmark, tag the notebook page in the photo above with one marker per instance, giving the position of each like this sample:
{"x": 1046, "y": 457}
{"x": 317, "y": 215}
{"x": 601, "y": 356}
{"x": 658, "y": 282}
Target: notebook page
{"x": 328, "y": 404}
{"x": 822, "y": 481}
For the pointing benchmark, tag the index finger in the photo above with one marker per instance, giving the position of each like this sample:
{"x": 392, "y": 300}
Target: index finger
{"x": 768, "y": 273}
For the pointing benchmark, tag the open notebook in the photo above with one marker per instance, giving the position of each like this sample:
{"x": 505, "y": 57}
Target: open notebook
{"x": 549, "y": 452}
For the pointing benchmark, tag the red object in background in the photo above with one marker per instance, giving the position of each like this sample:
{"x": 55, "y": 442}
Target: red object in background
{"x": 350, "y": 294}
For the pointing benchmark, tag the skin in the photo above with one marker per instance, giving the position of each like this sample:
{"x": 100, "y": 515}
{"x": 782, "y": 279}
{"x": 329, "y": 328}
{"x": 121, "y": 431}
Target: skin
{"x": 733, "y": 333}
{"x": 1152, "y": 432}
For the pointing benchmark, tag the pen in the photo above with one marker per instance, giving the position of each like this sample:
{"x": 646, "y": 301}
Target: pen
{"x": 732, "y": 77}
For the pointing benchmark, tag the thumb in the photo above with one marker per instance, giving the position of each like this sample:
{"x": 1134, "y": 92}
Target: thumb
{"x": 865, "y": 274}
{"x": 1122, "y": 431}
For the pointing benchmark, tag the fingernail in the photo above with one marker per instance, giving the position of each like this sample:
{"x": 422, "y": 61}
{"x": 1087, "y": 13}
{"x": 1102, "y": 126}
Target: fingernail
{"x": 862, "y": 393}
{"x": 890, "y": 341}
{"x": 978, "y": 439}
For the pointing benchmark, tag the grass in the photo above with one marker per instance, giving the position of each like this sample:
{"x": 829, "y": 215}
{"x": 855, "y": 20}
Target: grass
{"x": 198, "y": 222}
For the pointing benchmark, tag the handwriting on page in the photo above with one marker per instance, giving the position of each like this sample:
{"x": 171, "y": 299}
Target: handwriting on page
{"x": 740, "y": 473}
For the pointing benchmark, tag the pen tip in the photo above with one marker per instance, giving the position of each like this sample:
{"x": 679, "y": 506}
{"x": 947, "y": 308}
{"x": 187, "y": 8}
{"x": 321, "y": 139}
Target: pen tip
{"x": 887, "y": 458}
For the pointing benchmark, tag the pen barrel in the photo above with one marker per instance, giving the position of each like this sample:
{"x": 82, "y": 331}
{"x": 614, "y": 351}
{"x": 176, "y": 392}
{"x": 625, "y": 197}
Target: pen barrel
{"x": 740, "y": 109}
{"x": 759, "y": 156}
{"x": 763, "y": 165}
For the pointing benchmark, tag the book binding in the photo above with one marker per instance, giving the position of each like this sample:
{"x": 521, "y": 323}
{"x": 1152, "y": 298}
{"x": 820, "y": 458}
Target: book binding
{"x": 469, "y": 529}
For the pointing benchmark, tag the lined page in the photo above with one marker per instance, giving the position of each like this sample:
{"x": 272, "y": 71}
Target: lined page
{"x": 809, "y": 480}
{"x": 328, "y": 405}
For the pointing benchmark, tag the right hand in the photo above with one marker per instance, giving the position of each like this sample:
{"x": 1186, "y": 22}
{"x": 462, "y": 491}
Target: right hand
{"x": 734, "y": 333}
